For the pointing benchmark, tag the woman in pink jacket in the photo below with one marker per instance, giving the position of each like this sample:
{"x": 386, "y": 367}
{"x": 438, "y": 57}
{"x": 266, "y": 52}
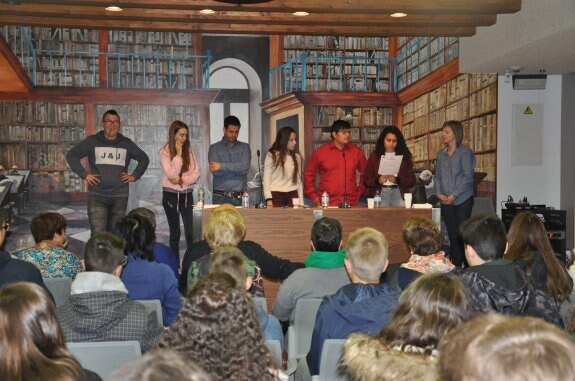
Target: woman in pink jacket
{"x": 180, "y": 171}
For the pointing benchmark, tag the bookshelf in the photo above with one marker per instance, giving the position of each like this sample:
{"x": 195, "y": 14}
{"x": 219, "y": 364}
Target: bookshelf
{"x": 419, "y": 56}
{"x": 339, "y": 63}
{"x": 37, "y": 136}
{"x": 469, "y": 98}
{"x": 366, "y": 124}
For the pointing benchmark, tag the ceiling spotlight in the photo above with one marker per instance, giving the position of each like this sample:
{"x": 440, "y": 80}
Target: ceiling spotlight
{"x": 398, "y": 14}
{"x": 114, "y": 8}
{"x": 11, "y": 2}
{"x": 301, "y": 13}
{"x": 207, "y": 11}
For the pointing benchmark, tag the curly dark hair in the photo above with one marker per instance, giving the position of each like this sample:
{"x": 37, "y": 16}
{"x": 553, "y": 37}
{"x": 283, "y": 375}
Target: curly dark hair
{"x": 400, "y": 149}
{"x": 218, "y": 328}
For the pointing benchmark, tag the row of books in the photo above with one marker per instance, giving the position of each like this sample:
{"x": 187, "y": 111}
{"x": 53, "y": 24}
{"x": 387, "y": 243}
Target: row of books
{"x": 356, "y": 116}
{"x": 40, "y": 134}
{"x": 152, "y": 115}
{"x": 482, "y": 101}
{"x": 334, "y": 42}
{"x": 46, "y": 113}
{"x": 481, "y": 133}
{"x": 357, "y": 68}
{"x": 150, "y": 38}
{"x": 487, "y": 163}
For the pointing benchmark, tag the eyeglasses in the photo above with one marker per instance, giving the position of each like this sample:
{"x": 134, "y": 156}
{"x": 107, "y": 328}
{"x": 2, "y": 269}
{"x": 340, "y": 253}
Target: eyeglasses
{"x": 345, "y": 132}
{"x": 114, "y": 122}
{"x": 124, "y": 261}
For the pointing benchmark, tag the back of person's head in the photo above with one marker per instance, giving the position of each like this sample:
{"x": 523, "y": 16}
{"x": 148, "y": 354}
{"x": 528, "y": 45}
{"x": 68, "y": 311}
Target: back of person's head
{"x": 104, "y": 252}
{"x": 486, "y": 234}
{"x": 219, "y": 329}
{"x": 139, "y": 235}
{"x": 497, "y": 347}
{"x": 32, "y": 345}
{"x": 527, "y": 233}
{"x": 146, "y": 213}
{"x": 230, "y": 260}
{"x": 428, "y": 308}
{"x": 367, "y": 254}
{"x": 326, "y": 234}
{"x": 164, "y": 365}
{"x": 225, "y": 227}
{"x": 45, "y": 225}
{"x": 367, "y": 358}
{"x": 422, "y": 236}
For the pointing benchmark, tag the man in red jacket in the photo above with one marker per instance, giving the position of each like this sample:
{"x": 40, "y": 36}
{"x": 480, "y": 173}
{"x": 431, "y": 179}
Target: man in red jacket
{"x": 338, "y": 163}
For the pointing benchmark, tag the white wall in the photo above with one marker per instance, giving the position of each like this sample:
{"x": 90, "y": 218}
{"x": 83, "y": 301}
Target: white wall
{"x": 540, "y": 184}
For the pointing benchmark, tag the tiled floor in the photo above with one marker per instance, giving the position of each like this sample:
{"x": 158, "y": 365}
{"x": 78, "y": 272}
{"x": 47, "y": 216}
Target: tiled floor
{"x": 78, "y": 230}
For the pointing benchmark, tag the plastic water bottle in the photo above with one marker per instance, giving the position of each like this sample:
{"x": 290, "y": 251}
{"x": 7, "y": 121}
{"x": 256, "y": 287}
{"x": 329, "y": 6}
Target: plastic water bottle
{"x": 377, "y": 200}
{"x": 246, "y": 200}
{"x": 201, "y": 197}
{"x": 324, "y": 200}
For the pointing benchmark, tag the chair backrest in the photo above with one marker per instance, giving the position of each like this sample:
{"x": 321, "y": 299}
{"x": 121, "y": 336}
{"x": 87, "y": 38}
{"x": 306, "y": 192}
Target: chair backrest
{"x": 275, "y": 349}
{"x": 106, "y": 356}
{"x": 260, "y": 301}
{"x": 154, "y": 305}
{"x": 59, "y": 288}
{"x": 299, "y": 335}
{"x": 329, "y": 363}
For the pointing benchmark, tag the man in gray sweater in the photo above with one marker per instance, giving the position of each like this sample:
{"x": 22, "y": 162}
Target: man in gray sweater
{"x": 109, "y": 154}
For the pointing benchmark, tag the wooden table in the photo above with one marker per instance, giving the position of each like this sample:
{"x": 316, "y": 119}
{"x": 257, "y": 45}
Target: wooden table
{"x": 286, "y": 232}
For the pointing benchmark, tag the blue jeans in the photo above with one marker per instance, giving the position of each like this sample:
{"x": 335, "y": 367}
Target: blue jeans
{"x": 221, "y": 199}
{"x": 174, "y": 206}
{"x": 103, "y": 212}
{"x": 391, "y": 197}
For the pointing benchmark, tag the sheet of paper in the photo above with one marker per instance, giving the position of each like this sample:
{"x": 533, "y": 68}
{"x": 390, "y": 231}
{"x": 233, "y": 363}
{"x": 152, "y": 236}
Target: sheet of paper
{"x": 389, "y": 164}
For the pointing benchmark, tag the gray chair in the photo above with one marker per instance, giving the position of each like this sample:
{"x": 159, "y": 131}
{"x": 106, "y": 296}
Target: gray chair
{"x": 275, "y": 351}
{"x": 59, "y": 288}
{"x": 106, "y": 356}
{"x": 154, "y": 305}
{"x": 299, "y": 334}
{"x": 329, "y": 363}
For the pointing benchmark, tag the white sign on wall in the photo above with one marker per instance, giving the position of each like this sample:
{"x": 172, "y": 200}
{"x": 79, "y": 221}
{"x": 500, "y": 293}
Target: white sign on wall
{"x": 527, "y": 135}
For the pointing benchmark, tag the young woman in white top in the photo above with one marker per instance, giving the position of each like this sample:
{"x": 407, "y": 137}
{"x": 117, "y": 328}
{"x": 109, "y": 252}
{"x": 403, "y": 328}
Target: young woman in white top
{"x": 180, "y": 171}
{"x": 282, "y": 171}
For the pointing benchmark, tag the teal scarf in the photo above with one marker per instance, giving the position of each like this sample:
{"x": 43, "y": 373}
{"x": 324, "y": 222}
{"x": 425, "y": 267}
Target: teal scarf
{"x": 325, "y": 259}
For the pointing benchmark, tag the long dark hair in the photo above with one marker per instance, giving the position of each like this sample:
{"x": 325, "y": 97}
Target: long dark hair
{"x": 400, "y": 149}
{"x": 280, "y": 151}
{"x": 32, "y": 345}
{"x": 139, "y": 235}
{"x": 176, "y": 126}
{"x": 526, "y": 234}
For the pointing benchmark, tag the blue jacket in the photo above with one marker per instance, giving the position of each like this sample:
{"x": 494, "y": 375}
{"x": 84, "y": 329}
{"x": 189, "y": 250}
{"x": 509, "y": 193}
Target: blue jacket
{"x": 455, "y": 174}
{"x": 163, "y": 254}
{"x": 355, "y": 307}
{"x": 147, "y": 280}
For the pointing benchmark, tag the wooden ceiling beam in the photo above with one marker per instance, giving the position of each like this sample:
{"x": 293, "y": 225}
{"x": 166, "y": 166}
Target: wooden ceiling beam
{"x": 275, "y": 28}
{"x": 236, "y": 17}
{"x": 320, "y": 6}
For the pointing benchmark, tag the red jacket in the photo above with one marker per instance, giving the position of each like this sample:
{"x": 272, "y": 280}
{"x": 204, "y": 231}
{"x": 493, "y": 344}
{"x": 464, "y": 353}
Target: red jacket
{"x": 405, "y": 178}
{"x": 328, "y": 162}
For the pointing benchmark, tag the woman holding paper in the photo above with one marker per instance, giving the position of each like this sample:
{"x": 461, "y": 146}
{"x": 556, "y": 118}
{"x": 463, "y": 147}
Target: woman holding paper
{"x": 454, "y": 185}
{"x": 391, "y": 146}
{"x": 282, "y": 171}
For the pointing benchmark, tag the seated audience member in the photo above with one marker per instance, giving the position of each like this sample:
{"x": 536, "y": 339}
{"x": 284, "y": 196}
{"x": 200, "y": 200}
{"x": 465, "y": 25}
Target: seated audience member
{"x": 324, "y": 273}
{"x": 497, "y": 284}
{"x": 31, "y": 340}
{"x": 144, "y": 278}
{"x": 99, "y": 308}
{"x": 50, "y": 254}
{"x": 365, "y": 305}
{"x": 15, "y": 270}
{"x": 218, "y": 329}
{"x": 406, "y": 348}
{"x": 423, "y": 238}
{"x": 496, "y": 347}
{"x": 226, "y": 227}
{"x": 530, "y": 249}
{"x": 162, "y": 253}
{"x": 165, "y": 365}
{"x": 231, "y": 261}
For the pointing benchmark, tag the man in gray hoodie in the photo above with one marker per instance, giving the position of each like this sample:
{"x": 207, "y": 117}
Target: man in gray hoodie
{"x": 109, "y": 154}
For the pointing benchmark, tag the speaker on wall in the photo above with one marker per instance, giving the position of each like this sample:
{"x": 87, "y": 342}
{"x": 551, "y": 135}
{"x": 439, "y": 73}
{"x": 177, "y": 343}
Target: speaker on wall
{"x": 529, "y": 81}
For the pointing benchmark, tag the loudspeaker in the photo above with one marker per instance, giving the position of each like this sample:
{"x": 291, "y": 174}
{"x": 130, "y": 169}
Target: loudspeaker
{"x": 555, "y": 223}
{"x": 529, "y": 81}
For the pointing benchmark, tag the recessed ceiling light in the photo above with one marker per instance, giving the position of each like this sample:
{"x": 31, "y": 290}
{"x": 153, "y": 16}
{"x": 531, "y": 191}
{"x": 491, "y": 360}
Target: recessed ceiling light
{"x": 114, "y": 8}
{"x": 301, "y": 13}
{"x": 398, "y": 14}
{"x": 207, "y": 11}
